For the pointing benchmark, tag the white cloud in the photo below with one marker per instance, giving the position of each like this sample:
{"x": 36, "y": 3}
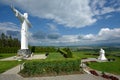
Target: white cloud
{"x": 89, "y": 37}
{"x": 71, "y": 13}
{"x": 105, "y": 35}
{"x": 101, "y": 7}
{"x": 8, "y": 26}
{"x": 52, "y": 27}
{"x": 109, "y": 34}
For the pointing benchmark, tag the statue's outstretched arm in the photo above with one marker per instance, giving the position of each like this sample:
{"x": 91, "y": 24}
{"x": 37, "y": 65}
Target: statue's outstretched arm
{"x": 18, "y": 14}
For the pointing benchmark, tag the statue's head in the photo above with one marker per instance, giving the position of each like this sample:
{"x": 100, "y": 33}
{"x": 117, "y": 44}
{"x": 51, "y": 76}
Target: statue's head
{"x": 26, "y": 15}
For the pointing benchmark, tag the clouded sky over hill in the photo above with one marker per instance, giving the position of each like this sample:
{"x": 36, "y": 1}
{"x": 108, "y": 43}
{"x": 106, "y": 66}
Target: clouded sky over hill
{"x": 64, "y": 22}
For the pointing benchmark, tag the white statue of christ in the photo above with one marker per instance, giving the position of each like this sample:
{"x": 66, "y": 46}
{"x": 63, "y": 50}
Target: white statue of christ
{"x": 25, "y": 24}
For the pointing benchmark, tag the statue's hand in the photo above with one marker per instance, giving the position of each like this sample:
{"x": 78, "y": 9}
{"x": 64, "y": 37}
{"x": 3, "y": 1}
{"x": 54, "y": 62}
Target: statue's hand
{"x": 16, "y": 13}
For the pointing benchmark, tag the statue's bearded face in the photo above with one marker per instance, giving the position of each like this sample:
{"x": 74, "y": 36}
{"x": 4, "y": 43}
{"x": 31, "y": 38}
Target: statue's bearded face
{"x": 26, "y": 15}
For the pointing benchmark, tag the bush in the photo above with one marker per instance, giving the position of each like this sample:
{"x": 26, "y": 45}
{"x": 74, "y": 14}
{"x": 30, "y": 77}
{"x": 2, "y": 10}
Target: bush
{"x": 66, "y": 52}
{"x": 33, "y": 68}
{"x": 69, "y": 53}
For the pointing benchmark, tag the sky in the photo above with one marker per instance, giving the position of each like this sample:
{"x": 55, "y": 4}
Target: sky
{"x": 64, "y": 22}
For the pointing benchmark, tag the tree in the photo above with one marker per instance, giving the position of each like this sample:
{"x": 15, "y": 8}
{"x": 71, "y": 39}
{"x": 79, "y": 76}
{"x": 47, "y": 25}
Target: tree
{"x": 8, "y": 41}
{"x": 33, "y": 49}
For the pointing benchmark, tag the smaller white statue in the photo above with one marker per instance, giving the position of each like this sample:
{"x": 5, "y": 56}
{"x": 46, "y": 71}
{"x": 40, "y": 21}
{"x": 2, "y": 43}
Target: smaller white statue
{"x": 102, "y": 55}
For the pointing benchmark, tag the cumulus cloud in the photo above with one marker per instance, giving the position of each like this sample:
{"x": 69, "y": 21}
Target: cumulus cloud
{"x": 52, "y": 27}
{"x": 71, "y": 13}
{"x": 9, "y": 28}
{"x": 109, "y": 34}
{"x": 100, "y": 7}
{"x": 39, "y": 35}
{"x": 105, "y": 35}
{"x": 53, "y": 35}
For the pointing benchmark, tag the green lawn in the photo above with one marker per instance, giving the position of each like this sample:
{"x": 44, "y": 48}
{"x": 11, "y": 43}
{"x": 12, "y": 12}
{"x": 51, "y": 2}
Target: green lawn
{"x": 5, "y": 65}
{"x": 82, "y": 54}
{"x": 55, "y": 55}
{"x": 111, "y": 67}
{"x": 5, "y": 55}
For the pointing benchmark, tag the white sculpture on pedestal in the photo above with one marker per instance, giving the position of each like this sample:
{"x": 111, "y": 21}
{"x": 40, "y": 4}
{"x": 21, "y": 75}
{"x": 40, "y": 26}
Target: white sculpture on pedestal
{"x": 102, "y": 55}
{"x": 25, "y": 24}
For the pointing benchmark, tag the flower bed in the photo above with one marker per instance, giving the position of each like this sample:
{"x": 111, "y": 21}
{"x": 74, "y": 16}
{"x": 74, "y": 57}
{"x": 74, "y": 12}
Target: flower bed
{"x": 94, "y": 72}
{"x": 109, "y": 77}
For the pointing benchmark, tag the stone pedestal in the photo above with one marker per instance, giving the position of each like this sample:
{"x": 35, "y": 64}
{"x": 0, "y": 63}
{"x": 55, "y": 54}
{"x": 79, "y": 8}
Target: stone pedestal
{"x": 24, "y": 52}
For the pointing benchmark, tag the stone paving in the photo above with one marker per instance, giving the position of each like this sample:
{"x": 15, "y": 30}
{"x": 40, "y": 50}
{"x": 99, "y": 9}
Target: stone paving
{"x": 64, "y": 77}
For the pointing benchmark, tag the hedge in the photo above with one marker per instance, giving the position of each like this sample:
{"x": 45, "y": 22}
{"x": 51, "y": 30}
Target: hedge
{"x": 32, "y": 68}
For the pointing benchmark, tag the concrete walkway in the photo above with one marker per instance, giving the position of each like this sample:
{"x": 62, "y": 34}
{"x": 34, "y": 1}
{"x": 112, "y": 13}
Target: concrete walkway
{"x": 39, "y": 56}
{"x": 68, "y": 77}
{"x": 11, "y": 74}
{"x": 64, "y": 77}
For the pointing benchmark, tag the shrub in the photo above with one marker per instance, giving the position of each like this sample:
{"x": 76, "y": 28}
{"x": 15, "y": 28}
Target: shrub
{"x": 66, "y": 52}
{"x": 33, "y": 68}
{"x": 69, "y": 53}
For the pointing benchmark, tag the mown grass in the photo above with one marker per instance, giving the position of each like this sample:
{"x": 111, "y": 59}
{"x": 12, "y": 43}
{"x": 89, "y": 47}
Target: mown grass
{"x": 82, "y": 54}
{"x": 110, "y": 67}
{"x": 5, "y": 65}
{"x": 55, "y": 55}
{"x": 5, "y": 55}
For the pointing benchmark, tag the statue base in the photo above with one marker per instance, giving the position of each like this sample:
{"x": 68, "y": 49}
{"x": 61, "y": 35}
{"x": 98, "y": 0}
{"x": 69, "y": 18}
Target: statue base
{"x": 24, "y": 52}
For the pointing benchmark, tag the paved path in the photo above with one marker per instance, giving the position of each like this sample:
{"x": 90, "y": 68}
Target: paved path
{"x": 68, "y": 77}
{"x": 39, "y": 56}
{"x": 91, "y": 59}
{"x": 11, "y": 74}
{"x": 65, "y": 77}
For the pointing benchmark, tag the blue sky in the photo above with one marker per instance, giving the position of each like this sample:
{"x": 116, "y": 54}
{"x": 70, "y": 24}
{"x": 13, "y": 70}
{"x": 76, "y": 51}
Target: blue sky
{"x": 64, "y": 22}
